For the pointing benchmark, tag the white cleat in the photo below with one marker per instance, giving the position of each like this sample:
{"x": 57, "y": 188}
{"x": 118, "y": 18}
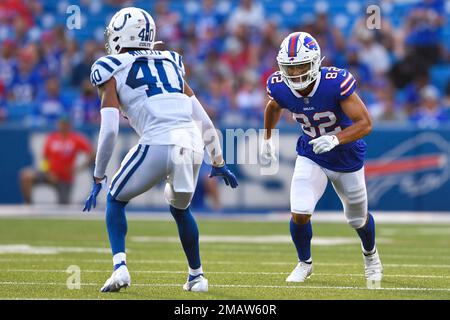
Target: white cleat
{"x": 199, "y": 284}
{"x": 118, "y": 280}
{"x": 301, "y": 272}
{"x": 373, "y": 269}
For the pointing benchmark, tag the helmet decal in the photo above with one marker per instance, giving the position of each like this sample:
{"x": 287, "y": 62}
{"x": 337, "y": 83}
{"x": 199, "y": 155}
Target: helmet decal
{"x": 293, "y": 42}
{"x": 147, "y": 27}
{"x": 310, "y": 43}
{"x": 123, "y": 24}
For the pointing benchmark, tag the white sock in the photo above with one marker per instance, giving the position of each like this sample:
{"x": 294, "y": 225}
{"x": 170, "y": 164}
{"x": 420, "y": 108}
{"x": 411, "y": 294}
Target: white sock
{"x": 195, "y": 272}
{"x": 119, "y": 257}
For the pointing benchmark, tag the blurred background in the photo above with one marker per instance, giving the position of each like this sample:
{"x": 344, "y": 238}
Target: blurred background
{"x": 229, "y": 49}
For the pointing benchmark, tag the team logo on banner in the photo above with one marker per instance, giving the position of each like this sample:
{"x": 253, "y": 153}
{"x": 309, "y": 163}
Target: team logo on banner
{"x": 413, "y": 171}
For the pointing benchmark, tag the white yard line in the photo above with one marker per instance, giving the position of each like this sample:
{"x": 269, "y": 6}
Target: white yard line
{"x": 335, "y": 264}
{"x": 225, "y": 272}
{"x": 233, "y": 286}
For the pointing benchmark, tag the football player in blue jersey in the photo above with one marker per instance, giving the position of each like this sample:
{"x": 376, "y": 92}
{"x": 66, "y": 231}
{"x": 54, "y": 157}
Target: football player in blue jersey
{"x": 333, "y": 120}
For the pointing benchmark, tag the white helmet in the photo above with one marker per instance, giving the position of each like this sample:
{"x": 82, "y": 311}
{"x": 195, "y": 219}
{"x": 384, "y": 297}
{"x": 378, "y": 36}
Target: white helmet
{"x": 130, "y": 28}
{"x": 299, "y": 48}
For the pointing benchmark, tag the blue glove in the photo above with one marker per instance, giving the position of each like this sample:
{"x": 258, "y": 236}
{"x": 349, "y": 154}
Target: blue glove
{"x": 226, "y": 174}
{"x": 91, "y": 201}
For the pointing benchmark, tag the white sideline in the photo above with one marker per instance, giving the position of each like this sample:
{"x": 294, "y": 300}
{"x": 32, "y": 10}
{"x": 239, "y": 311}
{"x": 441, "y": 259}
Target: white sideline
{"x": 74, "y": 212}
{"x": 234, "y": 286}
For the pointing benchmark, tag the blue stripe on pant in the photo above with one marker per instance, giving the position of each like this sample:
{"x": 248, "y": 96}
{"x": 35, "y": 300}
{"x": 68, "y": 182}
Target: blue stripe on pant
{"x": 135, "y": 154}
{"x": 128, "y": 176}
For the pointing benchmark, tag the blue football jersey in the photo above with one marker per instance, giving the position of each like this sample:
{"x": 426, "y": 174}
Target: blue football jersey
{"x": 320, "y": 113}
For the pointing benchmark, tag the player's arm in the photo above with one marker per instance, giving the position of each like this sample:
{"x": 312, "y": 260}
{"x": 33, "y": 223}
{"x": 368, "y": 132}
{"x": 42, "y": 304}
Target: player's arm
{"x": 109, "y": 127}
{"x": 272, "y": 115}
{"x": 356, "y": 110}
{"x": 210, "y": 139}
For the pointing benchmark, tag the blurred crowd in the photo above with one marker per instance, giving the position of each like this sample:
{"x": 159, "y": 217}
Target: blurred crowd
{"x": 229, "y": 51}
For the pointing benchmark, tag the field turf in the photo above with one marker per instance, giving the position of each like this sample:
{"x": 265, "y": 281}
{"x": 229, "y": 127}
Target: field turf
{"x": 238, "y": 259}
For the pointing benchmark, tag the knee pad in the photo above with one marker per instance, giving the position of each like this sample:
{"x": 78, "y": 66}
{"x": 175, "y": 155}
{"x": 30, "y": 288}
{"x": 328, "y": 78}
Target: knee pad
{"x": 178, "y": 200}
{"x": 355, "y": 208}
{"x": 306, "y": 205}
{"x": 358, "y": 222}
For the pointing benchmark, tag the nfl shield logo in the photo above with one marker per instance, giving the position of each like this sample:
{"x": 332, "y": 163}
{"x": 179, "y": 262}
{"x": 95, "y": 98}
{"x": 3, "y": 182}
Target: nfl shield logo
{"x": 306, "y": 100}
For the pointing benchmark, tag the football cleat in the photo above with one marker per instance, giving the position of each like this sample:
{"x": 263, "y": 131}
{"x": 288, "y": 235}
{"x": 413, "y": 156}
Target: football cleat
{"x": 373, "y": 269}
{"x": 199, "y": 284}
{"x": 301, "y": 272}
{"x": 118, "y": 280}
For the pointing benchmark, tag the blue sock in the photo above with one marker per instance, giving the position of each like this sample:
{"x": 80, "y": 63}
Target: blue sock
{"x": 367, "y": 234}
{"x": 302, "y": 235}
{"x": 116, "y": 223}
{"x": 188, "y": 232}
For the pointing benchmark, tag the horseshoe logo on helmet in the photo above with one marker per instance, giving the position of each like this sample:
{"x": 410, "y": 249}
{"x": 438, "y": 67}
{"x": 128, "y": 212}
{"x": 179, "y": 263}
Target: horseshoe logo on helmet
{"x": 127, "y": 15}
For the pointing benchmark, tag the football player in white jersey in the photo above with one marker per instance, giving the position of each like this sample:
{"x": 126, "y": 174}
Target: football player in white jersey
{"x": 147, "y": 86}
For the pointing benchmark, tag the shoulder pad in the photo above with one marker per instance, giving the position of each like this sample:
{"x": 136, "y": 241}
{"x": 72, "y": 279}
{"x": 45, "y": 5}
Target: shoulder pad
{"x": 176, "y": 58}
{"x": 104, "y": 68}
{"x": 273, "y": 81}
{"x": 345, "y": 83}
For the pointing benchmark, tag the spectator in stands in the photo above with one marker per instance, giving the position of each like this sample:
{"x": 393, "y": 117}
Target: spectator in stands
{"x": 371, "y": 53}
{"x": 58, "y": 165}
{"x": 330, "y": 38}
{"x": 430, "y": 113}
{"x": 384, "y": 108}
{"x": 250, "y": 98}
{"x": 25, "y": 84}
{"x": 168, "y": 22}
{"x": 50, "y": 106}
{"x": 8, "y": 61}
{"x": 83, "y": 69}
{"x": 423, "y": 29}
{"x": 86, "y": 108}
{"x": 216, "y": 101}
{"x": 412, "y": 92}
{"x": 249, "y": 13}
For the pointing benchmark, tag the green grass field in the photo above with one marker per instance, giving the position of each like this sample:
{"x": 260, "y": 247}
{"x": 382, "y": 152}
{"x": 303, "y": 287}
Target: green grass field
{"x": 416, "y": 261}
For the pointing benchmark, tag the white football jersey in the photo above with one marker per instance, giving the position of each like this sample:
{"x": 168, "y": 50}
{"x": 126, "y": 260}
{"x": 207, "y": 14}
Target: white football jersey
{"x": 150, "y": 88}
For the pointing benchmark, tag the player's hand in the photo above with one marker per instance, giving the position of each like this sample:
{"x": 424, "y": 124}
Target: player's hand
{"x": 225, "y": 173}
{"x": 324, "y": 143}
{"x": 97, "y": 185}
{"x": 268, "y": 150}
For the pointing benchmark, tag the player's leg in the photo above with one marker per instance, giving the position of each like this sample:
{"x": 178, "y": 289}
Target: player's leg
{"x": 351, "y": 189}
{"x": 178, "y": 192}
{"x": 307, "y": 187}
{"x": 143, "y": 167}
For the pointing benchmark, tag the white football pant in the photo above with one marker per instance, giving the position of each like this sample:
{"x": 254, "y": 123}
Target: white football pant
{"x": 310, "y": 180}
{"x": 147, "y": 165}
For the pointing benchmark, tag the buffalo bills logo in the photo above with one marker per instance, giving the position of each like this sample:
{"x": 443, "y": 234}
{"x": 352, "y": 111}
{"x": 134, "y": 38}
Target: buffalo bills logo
{"x": 310, "y": 43}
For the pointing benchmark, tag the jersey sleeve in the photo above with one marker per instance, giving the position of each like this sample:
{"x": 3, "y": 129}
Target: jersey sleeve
{"x": 272, "y": 87}
{"x": 104, "y": 68}
{"x": 346, "y": 84}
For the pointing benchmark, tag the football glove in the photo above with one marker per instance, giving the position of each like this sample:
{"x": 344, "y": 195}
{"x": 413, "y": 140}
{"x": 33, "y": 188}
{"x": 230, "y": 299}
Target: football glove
{"x": 268, "y": 150}
{"x": 91, "y": 201}
{"x": 225, "y": 173}
{"x": 324, "y": 144}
